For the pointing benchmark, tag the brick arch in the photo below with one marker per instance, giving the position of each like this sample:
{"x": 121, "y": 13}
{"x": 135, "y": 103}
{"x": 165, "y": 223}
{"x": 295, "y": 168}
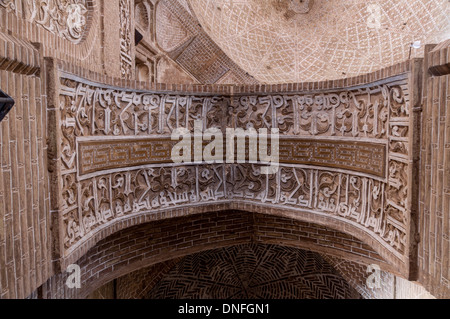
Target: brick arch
{"x": 85, "y": 46}
{"x": 83, "y": 224}
{"x": 154, "y": 242}
{"x": 91, "y": 19}
{"x": 249, "y": 271}
{"x": 374, "y": 249}
{"x": 141, "y": 13}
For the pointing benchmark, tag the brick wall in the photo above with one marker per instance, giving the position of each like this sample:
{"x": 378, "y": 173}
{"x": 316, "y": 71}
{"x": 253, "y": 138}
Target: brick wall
{"x": 434, "y": 206}
{"x": 25, "y": 240}
{"x": 24, "y": 196}
{"x": 152, "y": 243}
{"x": 277, "y": 230}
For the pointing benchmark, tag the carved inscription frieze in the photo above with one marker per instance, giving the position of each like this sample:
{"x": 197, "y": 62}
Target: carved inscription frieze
{"x": 360, "y": 200}
{"x": 343, "y": 154}
{"x": 126, "y": 38}
{"x": 357, "y": 199}
{"x": 98, "y": 154}
{"x": 353, "y": 113}
{"x": 108, "y": 197}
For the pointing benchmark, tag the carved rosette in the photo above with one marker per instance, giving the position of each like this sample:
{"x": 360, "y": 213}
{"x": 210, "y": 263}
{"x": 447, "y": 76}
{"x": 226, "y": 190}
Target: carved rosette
{"x": 301, "y": 6}
{"x": 65, "y": 18}
{"x": 379, "y": 114}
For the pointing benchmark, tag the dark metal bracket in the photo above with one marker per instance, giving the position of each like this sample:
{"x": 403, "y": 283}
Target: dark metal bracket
{"x": 6, "y": 104}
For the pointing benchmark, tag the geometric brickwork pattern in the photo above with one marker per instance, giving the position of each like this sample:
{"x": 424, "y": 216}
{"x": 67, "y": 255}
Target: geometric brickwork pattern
{"x": 253, "y": 272}
{"x": 180, "y": 36}
{"x": 276, "y": 43}
{"x": 356, "y": 275}
{"x": 139, "y": 283}
{"x": 128, "y": 246}
{"x": 390, "y": 287}
{"x": 160, "y": 243}
{"x": 31, "y": 151}
{"x": 170, "y": 33}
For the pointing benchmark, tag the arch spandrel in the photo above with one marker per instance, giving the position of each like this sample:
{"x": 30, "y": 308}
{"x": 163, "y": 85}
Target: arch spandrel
{"x": 345, "y": 160}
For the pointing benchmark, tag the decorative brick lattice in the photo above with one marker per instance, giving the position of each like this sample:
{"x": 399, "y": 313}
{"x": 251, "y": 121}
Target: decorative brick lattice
{"x": 335, "y": 39}
{"x": 160, "y": 241}
{"x": 251, "y": 271}
{"x": 170, "y": 32}
{"x": 202, "y": 58}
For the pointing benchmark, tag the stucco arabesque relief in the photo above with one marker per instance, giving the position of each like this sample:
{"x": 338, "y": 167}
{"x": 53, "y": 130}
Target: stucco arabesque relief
{"x": 65, "y": 18}
{"x": 121, "y": 121}
{"x": 69, "y": 19}
{"x": 8, "y": 4}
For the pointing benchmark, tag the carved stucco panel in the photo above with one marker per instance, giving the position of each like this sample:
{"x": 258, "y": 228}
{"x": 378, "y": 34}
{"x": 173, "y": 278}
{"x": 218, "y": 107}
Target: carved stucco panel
{"x": 65, "y": 18}
{"x": 99, "y": 194}
{"x": 8, "y": 4}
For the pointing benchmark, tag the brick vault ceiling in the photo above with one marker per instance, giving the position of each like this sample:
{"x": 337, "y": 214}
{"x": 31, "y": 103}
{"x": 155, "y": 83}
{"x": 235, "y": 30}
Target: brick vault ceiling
{"x": 277, "y": 42}
{"x": 253, "y": 271}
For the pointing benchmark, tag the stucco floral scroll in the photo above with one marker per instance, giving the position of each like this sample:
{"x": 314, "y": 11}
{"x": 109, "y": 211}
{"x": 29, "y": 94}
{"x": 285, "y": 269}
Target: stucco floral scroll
{"x": 66, "y": 18}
